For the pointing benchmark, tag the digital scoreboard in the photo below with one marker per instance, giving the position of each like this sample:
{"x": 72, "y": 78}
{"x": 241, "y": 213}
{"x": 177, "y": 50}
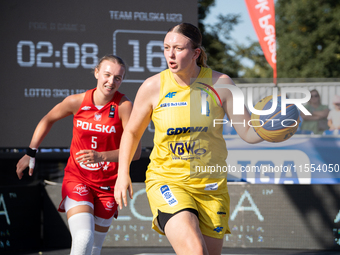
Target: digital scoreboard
{"x": 49, "y": 50}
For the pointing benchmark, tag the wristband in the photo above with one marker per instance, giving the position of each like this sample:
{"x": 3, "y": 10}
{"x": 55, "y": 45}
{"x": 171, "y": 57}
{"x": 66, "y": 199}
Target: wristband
{"x": 31, "y": 152}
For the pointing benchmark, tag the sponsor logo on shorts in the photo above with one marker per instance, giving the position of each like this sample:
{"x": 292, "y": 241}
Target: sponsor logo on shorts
{"x": 81, "y": 190}
{"x": 211, "y": 186}
{"x": 168, "y": 196}
{"x": 218, "y": 229}
{"x": 223, "y": 214}
{"x": 109, "y": 205}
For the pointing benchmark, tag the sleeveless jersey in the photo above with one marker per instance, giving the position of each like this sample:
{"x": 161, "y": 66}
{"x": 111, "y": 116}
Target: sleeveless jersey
{"x": 99, "y": 130}
{"x": 189, "y": 149}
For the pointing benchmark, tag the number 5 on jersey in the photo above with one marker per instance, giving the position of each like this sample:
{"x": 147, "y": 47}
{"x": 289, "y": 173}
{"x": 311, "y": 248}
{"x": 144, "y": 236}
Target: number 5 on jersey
{"x": 94, "y": 142}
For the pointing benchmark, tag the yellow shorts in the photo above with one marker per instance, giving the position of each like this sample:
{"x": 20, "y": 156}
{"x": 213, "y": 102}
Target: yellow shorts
{"x": 213, "y": 210}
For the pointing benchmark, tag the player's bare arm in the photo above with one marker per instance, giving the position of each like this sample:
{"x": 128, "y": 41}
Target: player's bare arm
{"x": 68, "y": 106}
{"x": 247, "y": 133}
{"x": 146, "y": 100}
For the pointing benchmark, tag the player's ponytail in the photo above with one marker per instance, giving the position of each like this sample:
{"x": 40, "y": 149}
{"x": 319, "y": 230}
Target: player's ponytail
{"x": 202, "y": 59}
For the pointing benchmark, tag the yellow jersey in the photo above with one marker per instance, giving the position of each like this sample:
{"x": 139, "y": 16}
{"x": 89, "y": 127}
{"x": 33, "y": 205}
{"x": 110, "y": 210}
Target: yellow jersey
{"x": 189, "y": 148}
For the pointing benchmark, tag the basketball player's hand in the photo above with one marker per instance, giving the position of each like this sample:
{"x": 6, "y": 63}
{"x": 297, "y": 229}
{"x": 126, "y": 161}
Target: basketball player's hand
{"x": 22, "y": 165}
{"x": 88, "y": 156}
{"x": 123, "y": 184}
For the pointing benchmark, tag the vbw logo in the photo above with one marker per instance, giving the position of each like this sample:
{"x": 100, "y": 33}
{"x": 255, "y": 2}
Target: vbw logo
{"x": 182, "y": 150}
{"x": 171, "y": 94}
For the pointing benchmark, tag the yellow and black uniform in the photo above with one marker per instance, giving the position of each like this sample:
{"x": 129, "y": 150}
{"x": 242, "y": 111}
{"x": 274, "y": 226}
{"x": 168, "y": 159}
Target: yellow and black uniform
{"x": 188, "y": 166}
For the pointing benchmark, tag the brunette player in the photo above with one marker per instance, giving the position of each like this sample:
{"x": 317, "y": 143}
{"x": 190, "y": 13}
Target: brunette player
{"x": 100, "y": 115}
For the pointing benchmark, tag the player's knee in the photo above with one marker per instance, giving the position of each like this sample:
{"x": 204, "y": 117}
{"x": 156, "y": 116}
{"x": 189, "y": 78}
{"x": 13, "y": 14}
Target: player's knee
{"x": 82, "y": 231}
{"x": 103, "y": 222}
{"x": 190, "y": 246}
{"x": 82, "y": 242}
{"x": 195, "y": 248}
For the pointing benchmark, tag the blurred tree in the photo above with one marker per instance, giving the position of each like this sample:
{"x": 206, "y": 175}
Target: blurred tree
{"x": 307, "y": 34}
{"x": 308, "y": 38}
{"x": 216, "y": 38}
{"x": 253, "y": 52}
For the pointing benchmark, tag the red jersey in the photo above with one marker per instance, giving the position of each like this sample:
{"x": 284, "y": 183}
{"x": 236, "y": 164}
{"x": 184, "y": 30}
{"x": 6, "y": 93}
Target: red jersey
{"x": 98, "y": 130}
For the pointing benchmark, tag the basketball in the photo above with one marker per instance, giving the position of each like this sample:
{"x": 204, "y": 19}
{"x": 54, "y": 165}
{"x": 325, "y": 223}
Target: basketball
{"x": 275, "y": 127}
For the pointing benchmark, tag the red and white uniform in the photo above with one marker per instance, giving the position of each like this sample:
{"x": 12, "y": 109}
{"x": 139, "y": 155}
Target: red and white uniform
{"x": 99, "y": 130}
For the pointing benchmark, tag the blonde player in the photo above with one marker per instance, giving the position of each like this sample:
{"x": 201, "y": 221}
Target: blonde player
{"x": 190, "y": 207}
{"x": 100, "y": 115}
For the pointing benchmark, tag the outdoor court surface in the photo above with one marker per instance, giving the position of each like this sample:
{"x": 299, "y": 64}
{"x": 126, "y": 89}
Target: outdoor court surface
{"x": 169, "y": 251}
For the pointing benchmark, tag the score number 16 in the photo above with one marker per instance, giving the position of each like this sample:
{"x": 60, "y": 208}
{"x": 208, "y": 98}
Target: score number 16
{"x": 151, "y": 55}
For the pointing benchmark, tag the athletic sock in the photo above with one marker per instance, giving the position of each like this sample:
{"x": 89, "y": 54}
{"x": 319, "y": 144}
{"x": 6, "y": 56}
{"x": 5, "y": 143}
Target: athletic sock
{"x": 82, "y": 231}
{"x": 99, "y": 238}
